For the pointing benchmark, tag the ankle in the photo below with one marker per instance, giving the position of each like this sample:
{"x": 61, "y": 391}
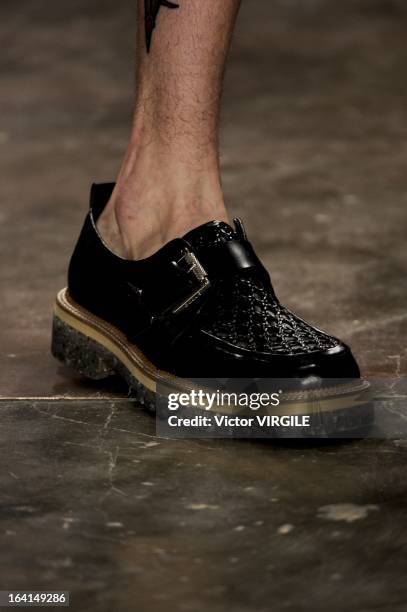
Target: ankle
{"x": 158, "y": 201}
{"x": 148, "y": 220}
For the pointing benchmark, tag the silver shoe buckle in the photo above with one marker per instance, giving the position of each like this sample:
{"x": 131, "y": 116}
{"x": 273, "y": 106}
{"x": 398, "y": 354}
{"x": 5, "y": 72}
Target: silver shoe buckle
{"x": 198, "y": 271}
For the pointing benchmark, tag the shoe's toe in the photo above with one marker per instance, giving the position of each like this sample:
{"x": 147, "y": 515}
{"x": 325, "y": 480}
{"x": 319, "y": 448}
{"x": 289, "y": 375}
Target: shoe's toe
{"x": 214, "y": 357}
{"x": 337, "y": 362}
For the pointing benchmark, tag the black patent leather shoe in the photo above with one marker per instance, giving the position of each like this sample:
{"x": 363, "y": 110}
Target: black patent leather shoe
{"x": 202, "y": 307}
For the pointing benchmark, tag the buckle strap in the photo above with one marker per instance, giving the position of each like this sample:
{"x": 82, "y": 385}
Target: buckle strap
{"x": 166, "y": 285}
{"x": 170, "y": 284}
{"x": 233, "y": 257}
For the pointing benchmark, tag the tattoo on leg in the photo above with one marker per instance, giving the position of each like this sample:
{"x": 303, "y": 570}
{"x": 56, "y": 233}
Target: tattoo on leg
{"x": 151, "y": 11}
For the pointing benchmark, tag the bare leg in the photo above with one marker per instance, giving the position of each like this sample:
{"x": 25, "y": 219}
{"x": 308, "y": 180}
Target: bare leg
{"x": 169, "y": 181}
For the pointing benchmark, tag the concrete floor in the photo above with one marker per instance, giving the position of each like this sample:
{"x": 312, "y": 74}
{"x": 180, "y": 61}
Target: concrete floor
{"x": 315, "y": 142}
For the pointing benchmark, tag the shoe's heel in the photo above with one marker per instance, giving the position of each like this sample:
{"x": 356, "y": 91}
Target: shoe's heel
{"x": 82, "y": 354}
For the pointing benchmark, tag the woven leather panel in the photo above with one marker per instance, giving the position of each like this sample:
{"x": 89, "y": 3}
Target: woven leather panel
{"x": 210, "y": 235}
{"x": 247, "y": 314}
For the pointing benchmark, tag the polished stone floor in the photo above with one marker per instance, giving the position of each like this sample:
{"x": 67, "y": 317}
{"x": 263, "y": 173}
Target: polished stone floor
{"x": 314, "y": 149}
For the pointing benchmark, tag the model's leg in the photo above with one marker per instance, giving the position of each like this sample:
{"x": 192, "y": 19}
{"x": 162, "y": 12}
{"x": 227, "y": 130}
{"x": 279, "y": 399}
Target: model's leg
{"x": 169, "y": 181}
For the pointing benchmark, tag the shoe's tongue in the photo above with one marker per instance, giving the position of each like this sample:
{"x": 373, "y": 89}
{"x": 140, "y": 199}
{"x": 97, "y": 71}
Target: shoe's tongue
{"x": 210, "y": 234}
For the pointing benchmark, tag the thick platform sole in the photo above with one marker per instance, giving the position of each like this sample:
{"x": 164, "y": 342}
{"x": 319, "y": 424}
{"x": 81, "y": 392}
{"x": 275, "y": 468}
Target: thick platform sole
{"x": 95, "y": 349}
